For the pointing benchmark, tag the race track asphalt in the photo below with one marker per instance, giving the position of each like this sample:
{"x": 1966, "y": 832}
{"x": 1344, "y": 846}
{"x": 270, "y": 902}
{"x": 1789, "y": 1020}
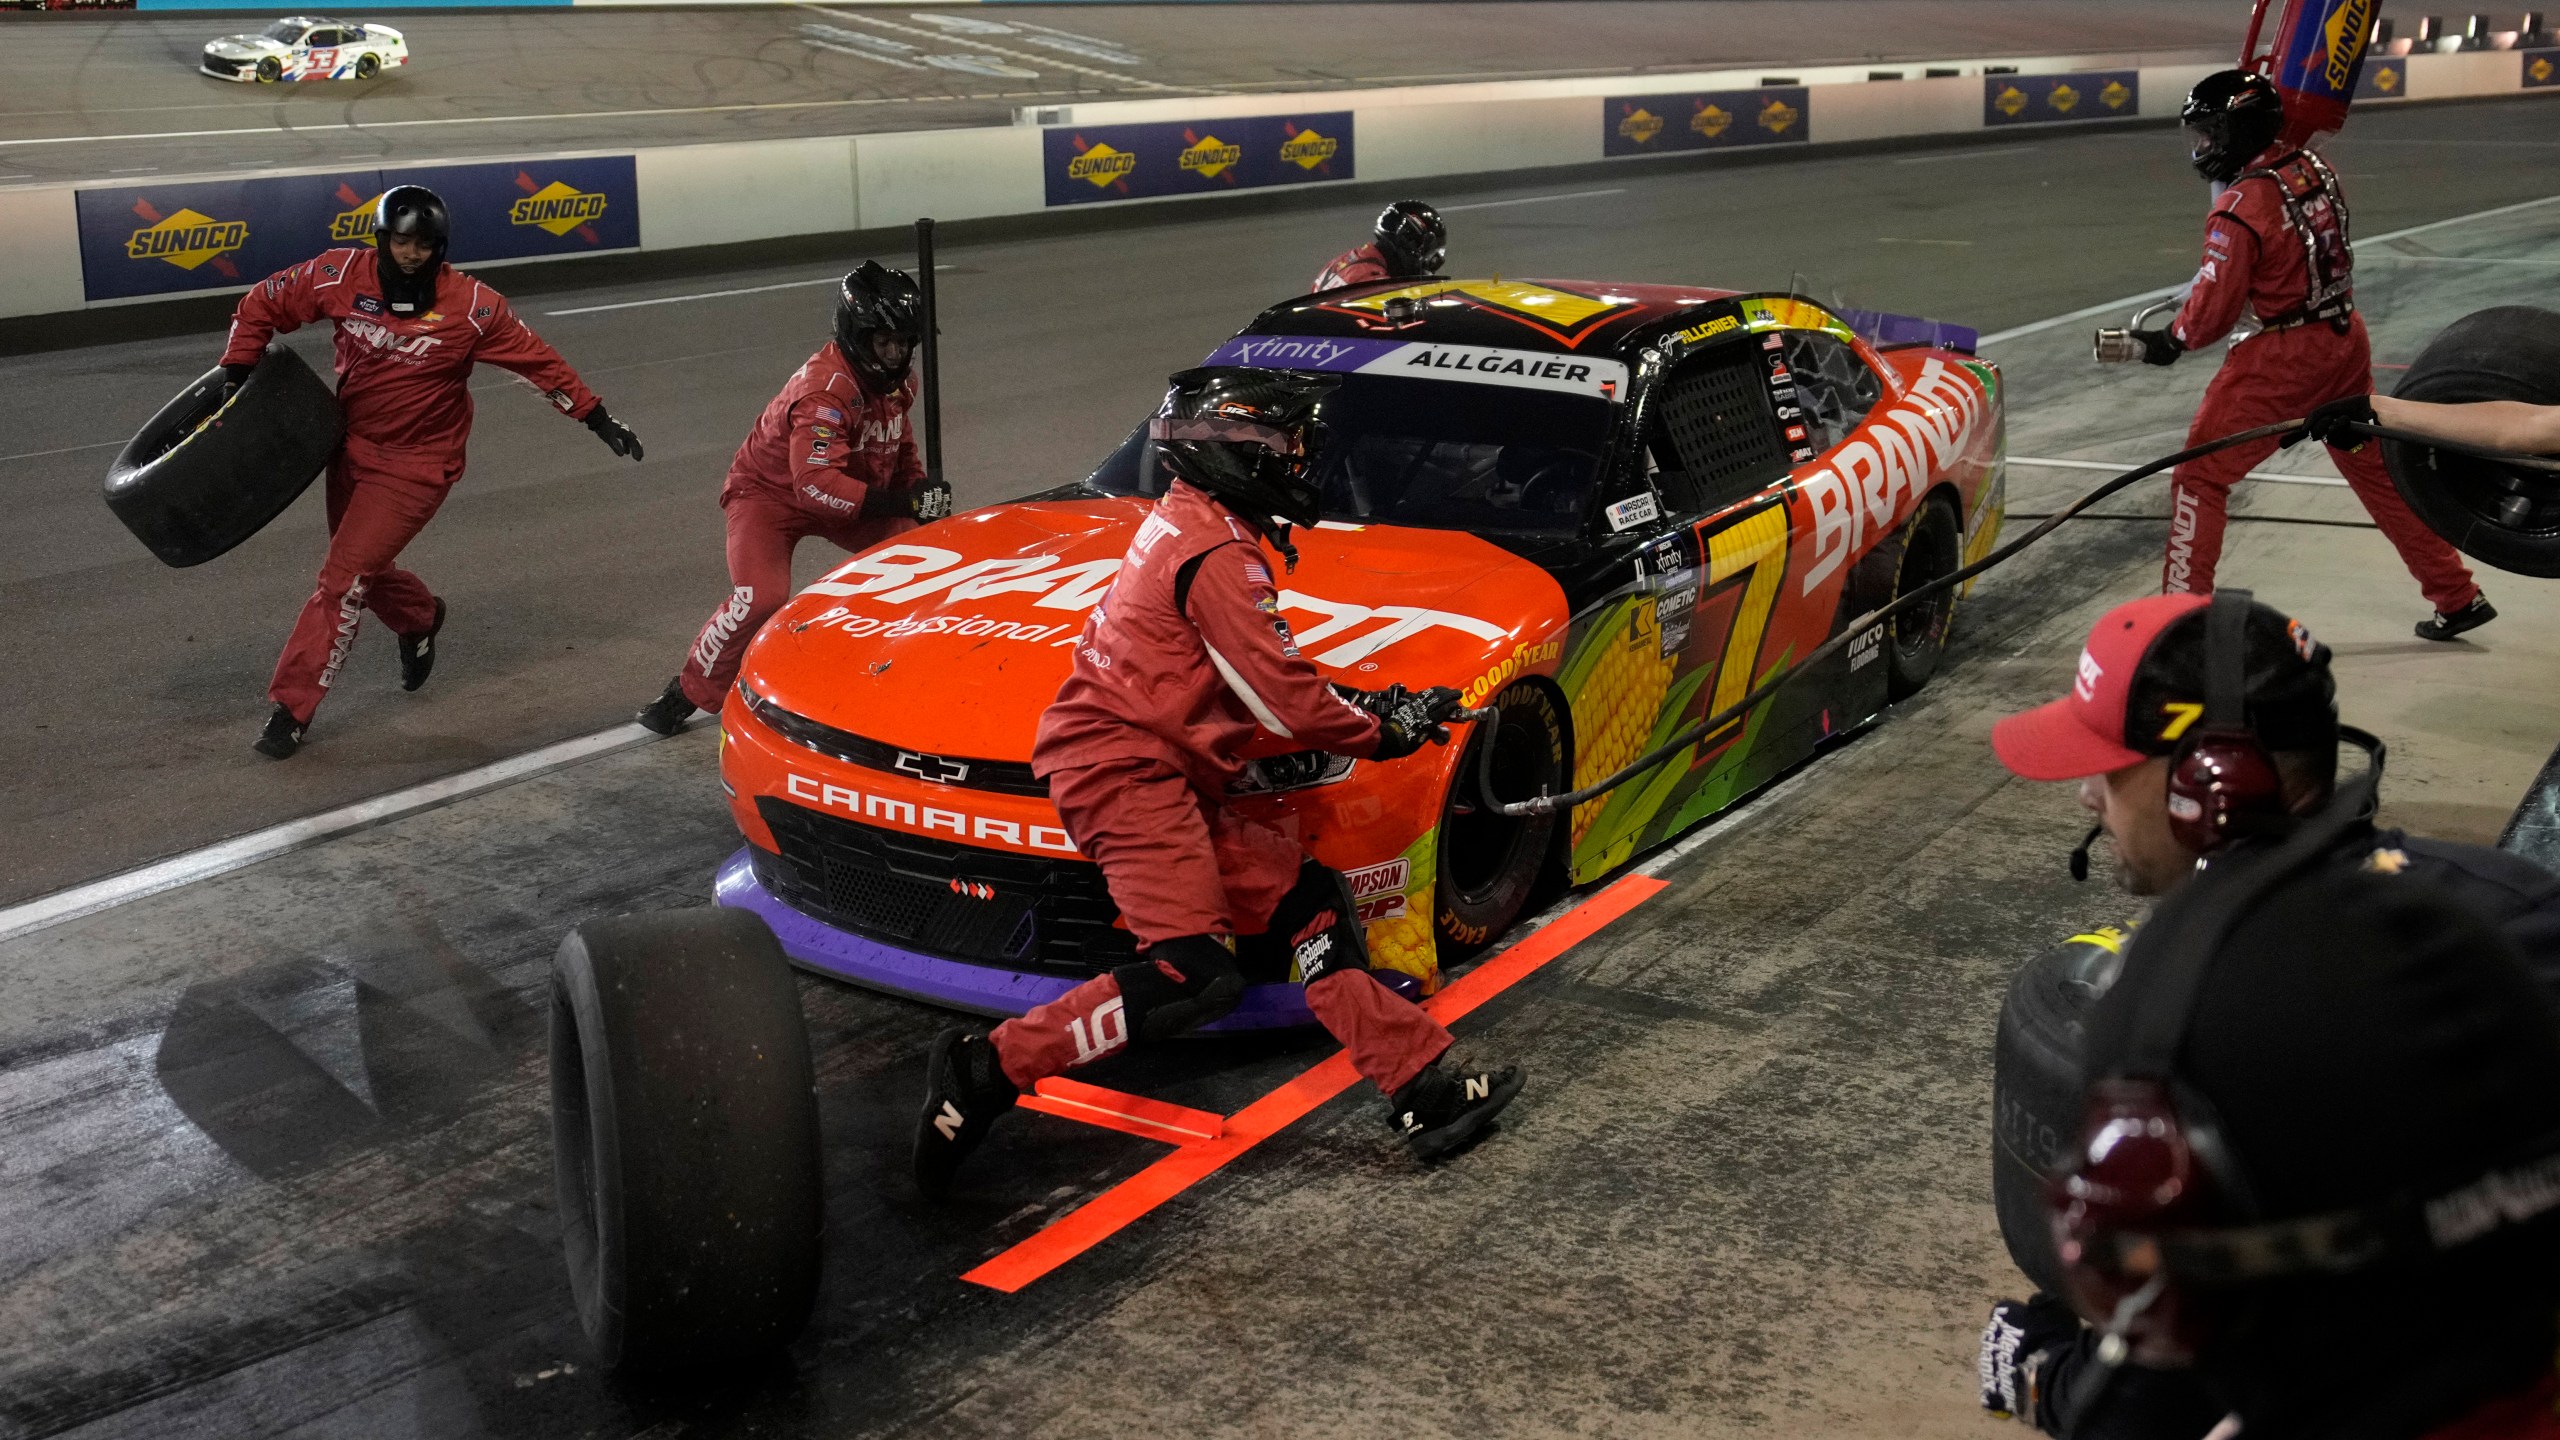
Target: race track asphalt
{"x": 273, "y": 1155}
{"x": 522, "y": 82}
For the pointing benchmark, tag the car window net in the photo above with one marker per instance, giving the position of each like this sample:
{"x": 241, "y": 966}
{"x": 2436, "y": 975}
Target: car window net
{"x": 1715, "y": 417}
{"x": 1833, "y": 386}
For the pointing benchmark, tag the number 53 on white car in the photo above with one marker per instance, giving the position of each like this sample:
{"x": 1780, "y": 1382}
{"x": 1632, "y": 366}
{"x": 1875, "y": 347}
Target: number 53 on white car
{"x": 306, "y": 47}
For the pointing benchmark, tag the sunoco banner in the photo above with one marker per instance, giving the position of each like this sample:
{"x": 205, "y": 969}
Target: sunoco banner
{"x": 2044, "y": 99}
{"x": 1704, "y": 120}
{"x": 1085, "y": 163}
{"x": 2541, "y": 69}
{"x": 2383, "y": 78}
{"x": 161, "y": 239}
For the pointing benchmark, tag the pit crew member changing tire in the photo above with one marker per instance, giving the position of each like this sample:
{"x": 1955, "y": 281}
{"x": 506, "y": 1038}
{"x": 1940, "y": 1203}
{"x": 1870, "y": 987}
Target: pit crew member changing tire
{"x": 1175, "y": 671}
{"x": 410, "y": 329}
{"x": 831, "y": 456}
{"x": 685, "y": 1138}
{"x": 221, "y": 460}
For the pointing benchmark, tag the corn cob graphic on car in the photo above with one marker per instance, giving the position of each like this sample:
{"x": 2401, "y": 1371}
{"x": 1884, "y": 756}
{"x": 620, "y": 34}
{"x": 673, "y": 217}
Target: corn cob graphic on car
{"x": 1599, "y": 511}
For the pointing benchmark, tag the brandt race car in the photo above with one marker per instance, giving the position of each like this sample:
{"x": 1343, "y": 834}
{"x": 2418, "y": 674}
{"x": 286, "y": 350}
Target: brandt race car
{"x": 1604, "y": 511}
{"x": 306, "y": 47}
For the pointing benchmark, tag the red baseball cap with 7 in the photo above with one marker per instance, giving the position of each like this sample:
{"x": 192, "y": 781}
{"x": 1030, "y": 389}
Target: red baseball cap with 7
{"x": 2083, "y": 733}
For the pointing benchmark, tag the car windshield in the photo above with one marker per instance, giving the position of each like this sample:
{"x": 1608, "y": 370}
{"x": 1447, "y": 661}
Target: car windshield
{"x": 1436, "y": 454}
{"x": 284, "y": 32}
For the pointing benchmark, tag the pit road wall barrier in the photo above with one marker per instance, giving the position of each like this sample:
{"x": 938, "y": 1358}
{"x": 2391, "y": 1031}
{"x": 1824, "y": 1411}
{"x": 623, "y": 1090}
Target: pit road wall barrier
{"x": 72, "y": 247}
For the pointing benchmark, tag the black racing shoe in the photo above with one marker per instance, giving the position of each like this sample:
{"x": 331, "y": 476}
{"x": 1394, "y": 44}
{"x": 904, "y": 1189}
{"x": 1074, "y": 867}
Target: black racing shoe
{"x": 668, "y": 712}
{"x": 1440, "y": 1110}
{"x": 2470, "y": 617}
{"x": 964, "y": 1091}
{"x": 418, "y": 652}
{"x": 282, "y": 736}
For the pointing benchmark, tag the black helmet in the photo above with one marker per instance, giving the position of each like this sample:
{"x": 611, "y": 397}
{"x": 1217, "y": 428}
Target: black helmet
{"x": 2232, "y": 116}
{"x": 1412, "y": 239}
{"x": 419, "y": 213}
{"x": 1247, "y": 437}
{"x": 872, "y": 298}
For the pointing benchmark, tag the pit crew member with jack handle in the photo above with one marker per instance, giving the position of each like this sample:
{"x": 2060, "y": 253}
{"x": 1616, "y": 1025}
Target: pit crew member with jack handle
{"x": 410, "y": 329}
{"x": 1409, "y": 243}
{"x": 831, "y": 456}
{"x": 2277, "y": 243}
{"x": 1182, "y": 661}
{"x": 2202, "y": 733}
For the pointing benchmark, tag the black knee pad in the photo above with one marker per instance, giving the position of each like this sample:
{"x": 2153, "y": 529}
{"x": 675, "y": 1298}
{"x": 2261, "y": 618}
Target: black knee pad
{"x": 1204, "y": 984}
{"x": 1318, "y": 924}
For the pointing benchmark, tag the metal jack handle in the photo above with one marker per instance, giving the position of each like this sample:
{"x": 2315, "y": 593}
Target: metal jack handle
{"x": 932, "y": 356}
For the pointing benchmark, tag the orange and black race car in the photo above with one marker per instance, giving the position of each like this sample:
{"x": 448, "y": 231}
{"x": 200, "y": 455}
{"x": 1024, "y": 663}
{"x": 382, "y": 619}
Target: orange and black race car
{"x": 1604, "y": 511}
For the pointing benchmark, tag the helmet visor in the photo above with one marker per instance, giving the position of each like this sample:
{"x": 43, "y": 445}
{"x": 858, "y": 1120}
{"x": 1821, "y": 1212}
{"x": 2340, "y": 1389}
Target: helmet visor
{"x": 1238, "y": 432}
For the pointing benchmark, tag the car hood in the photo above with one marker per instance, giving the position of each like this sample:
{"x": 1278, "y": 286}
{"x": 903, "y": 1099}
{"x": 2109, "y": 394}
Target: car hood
{"x": 953, "y": 638}
{"x": 249, "y": 45}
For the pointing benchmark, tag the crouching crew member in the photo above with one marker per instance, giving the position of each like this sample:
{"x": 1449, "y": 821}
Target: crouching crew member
{"x": 2277, "y": 243}
{"x": 410, "y": 328}
{"x": 831, "y": 456}
{"x": 1409, "y": 244}
{"x": 1177, "y": 668}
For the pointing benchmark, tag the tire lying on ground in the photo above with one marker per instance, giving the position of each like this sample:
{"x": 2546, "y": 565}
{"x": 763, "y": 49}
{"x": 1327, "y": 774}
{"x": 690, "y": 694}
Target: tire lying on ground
{"x": 685, "y": 1138}
{"x": 204, "y": 474}
{"x": 2035, "y": 1089}
{"x": 2497, "y": 514}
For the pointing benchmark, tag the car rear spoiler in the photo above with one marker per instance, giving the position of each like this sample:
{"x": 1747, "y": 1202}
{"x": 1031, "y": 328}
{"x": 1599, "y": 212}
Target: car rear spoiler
{"x": 1895, "y": 332}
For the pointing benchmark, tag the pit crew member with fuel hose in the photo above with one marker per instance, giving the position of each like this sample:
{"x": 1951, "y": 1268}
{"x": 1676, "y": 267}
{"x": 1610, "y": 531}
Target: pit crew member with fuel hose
{"x": 2277, "y": 243}
{"x": 1184, "y": 659}
{"x": 1409, "y": 243}
{"x": 832, "y": 456}
{"x": 2180, "y": 792}
{"x": 409, "y": 330}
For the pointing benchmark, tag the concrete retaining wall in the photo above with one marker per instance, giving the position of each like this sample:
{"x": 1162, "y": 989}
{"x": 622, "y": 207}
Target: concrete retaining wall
{"x": 699, "y": 195}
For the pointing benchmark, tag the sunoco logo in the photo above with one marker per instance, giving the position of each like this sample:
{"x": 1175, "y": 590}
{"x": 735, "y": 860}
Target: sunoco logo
{"x": 557, "y": 208}
{"x": 2010, "y": 101}
{"x": 1307, "y": 149}
{"x": 1209, "y": 156}
{"x": 1641, "y": 126}
{"x": 353, "y": 225}
{"x": 2115, "y": 95}
{"x": 2064, "y": 99}
{"x": 185, "y": 239}
{"x": 1777, "y": 115}
{"x": 1102, "y": 165}
{"x": 1711, "y": 121}
{"x": 2348, "y": 25}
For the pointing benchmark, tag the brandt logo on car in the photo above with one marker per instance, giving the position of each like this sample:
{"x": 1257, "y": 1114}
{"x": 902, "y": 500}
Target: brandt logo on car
{"x": 935, "y": 768}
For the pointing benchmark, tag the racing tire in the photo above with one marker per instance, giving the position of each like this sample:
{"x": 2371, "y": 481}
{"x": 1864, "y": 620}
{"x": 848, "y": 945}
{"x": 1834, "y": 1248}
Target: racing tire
{"x": 1487, "y": 865}
{"x": 205, "y": 474}
{"x": 368, "y": 66}
{"x": 684, "y": 1126}
{"x": 2496, "y": 514}
{"x": 1932, "y": 546}
{"x": 270, "y": 70}
{"x": 2035, "y": 1094}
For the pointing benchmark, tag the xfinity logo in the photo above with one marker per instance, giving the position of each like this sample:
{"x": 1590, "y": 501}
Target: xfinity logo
{"x": 931, "y": 767}
{"x": 1287, "y": 350}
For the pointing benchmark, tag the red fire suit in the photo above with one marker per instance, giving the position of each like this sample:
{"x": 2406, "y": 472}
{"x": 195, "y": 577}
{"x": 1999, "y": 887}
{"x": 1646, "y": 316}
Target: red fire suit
{"x": 2277, "y": 243}
{"x": 403, "y": 386}
{"x": 1180, "y": 664}
{"x": 1357, "y": 266}
{"x": 820, "y": 448}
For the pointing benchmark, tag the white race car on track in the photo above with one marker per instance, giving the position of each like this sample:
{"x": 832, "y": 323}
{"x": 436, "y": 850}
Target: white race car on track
{"x": 306, "y": 47}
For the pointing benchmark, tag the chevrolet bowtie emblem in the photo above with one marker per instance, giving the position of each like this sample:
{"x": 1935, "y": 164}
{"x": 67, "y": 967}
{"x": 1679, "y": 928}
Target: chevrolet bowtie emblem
{"x": 931, "y": 767}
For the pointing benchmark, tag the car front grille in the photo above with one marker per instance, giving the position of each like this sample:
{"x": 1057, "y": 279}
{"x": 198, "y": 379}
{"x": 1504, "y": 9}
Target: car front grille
{"x": 956, "y": 901}
{"x": 1005, "y": 777}
{"x": 221, "y": 66}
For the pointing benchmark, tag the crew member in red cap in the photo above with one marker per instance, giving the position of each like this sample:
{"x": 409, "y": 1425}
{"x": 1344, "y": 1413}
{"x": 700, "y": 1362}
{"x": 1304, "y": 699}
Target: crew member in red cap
{"x": 2276, "y": 244}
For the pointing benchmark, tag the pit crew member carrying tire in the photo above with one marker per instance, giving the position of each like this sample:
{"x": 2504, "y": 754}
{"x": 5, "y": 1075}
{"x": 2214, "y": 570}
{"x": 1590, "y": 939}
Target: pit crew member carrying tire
{"x": 410, "y": 329}
{"x": 2277, "y": 243}
{"x": 831, "y": 456}
{"x": 2184, "y": 782}
{"x": 1409, "y": 244}
{"x": 1184, "y": 659}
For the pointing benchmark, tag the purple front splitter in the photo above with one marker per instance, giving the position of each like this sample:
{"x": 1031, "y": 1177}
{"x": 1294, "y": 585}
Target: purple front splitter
{"x": 981, "y": 989}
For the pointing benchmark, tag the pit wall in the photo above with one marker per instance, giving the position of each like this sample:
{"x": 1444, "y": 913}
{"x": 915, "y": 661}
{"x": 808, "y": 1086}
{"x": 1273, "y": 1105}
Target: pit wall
{"x": 146, "y": 242}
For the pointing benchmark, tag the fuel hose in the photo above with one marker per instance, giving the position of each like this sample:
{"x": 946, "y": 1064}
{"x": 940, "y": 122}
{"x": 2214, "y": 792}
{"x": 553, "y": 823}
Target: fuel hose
{"x": 1544, "y": 804}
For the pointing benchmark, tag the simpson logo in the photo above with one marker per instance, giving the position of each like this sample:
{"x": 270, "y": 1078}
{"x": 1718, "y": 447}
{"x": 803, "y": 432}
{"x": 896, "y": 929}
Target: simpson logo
{"x": 1778, "y": 116}
{"x": 185, "y": 239}
{"x": 1634, "y": 510}
{"x": 1372, "y": 881}
{"x": 1102, "y": 165}
{"x": 1307, "y": 149}
{"x": 556, "y": 208}
{"x": 925, "y": 819}
{"x": 1711, "y": 121}
{"x": 1640, "y": 125}
{"x": 1708, "y": 331}
{"x": 1209, "y": 157}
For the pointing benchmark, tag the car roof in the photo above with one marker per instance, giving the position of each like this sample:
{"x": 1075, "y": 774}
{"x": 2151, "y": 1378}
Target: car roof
{"x": 1574, "y": 317}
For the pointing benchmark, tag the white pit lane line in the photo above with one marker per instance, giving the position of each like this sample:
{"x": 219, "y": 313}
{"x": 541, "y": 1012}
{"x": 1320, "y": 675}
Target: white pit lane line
{"x": 1532, "y": 200}
{"x": 46, "y": 911}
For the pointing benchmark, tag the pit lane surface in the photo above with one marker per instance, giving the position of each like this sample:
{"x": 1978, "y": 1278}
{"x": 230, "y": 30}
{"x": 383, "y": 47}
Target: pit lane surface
{"x": 528, "y": 81}
{"x": 276, "y": 1150}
